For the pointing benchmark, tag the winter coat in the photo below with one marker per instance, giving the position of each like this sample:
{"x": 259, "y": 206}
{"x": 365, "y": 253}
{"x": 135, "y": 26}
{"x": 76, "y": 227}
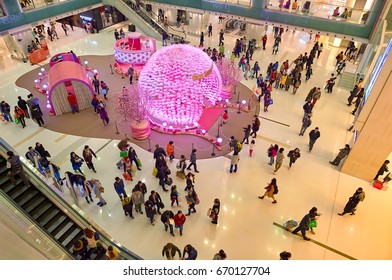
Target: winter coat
{"x": 235, "y": 159}
{"x": 137, "y": 197}
{"x": 88, "y": 155}
{"x": 279, "y": 157}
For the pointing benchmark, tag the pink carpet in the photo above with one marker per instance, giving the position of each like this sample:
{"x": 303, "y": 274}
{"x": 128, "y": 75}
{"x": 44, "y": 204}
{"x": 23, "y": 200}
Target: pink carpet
{"x": 209, "y": 117}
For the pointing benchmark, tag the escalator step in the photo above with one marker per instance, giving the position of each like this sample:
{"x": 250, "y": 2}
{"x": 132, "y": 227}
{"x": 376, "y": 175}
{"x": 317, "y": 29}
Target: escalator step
{"x": 3, "y": 170}
{"x": 34, "y": 202}
{"x": 70, "y": 243}
{"x": 71, "y": 232}
{"x": 25, "y": 196}
{"x": 5, "y": 184}
{"x": 44, "y": 217}
{"x": 17, "y": 190}
{"x": 62, "y": 228}
{"x": 40, "y": 211}
{"x": 70, "y": 237}
{"x": 55, "y": 221}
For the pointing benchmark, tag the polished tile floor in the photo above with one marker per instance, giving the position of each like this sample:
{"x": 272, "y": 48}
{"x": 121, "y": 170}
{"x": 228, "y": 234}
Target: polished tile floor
{"x": 245, "y": 229}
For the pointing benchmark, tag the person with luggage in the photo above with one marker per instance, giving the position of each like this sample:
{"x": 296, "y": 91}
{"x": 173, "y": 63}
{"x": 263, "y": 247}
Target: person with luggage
{"x": 181, "y": 164}
{"x": 304, "y": 224}
{"x": 382, "y": 170}
{"x": 353, "y": 201}
{"x": 167, "y": 218}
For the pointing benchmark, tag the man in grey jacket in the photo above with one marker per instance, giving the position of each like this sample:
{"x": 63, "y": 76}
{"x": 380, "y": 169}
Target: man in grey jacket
{"x": 341, "y": 155}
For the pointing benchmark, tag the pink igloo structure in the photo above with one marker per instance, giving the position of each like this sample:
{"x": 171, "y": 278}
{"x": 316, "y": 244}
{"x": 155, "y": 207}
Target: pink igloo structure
{"x": 178, "y": 82}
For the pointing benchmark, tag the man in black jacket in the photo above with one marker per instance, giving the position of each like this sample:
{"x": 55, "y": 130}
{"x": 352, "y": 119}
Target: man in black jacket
{"x": 167, "y": 218}
{"x": 23, "y": 105}
{"x": 313, "y": 136}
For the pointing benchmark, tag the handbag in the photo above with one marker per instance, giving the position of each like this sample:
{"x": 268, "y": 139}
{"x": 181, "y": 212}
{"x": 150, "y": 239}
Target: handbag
{"x": 101, "y": 189}
{"x": 271, "y": 101}
{"x": 171, "y": 221}
{"x": 312, "y": 223}
{"x": 161, "y": 205}
{"x": 154, "y": 171}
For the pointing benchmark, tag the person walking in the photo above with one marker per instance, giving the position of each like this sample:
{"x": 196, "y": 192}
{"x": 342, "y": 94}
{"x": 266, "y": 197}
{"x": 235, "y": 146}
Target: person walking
{"x": 382, "y": 170}
{"x": 353, "y": 201}
{"x": 130, "y": 74}
{"x": 314, "y": 134}
{"x": 191, "y": 201}
{"x": 316, "y": 96}
{"x": 170, "y": 250}
{"x": 234, "y": 162}
{"x": 270, "y": 190}
{"x": 14, "y": 167}
{"x": 23, "y": 105}
{"x": 164, "y": 39}
{"x": 247, "y": 130}
{"x": 293, "y": 155}
{"x": 167, "y": 218}
{"x": 341, "y": 155}
{"x": 156, "y": 200}
{"x": 76, "y": 162}
{"x": 88, "y": 157}
{"x": 134, "y": 158}
{"x": 179, "y": 221}
{"x": 306, "y": 122}
{"x": 19, "y": 115}
{"x": 296, "y": 85}
{"x": 272, "y": 152}
{"x": 137, "y": 200}
{"x": 98, "y": 189}
{"x": 103, "y": 114}
{"x": 149, "y": 208}
{"x": 251, "y": 147}
{"x": 210, "y": 30}
{"x": 192, "y": 161}
{"x": 264, "y": 40}
{"x": 41, "y": 150}
{"x": 353, "y": 94}
{"x": 358, "y": 101}
{"x": 279, "y": 160}
{"x": 304, "y": 224}
{"x": 285, "y": 256}
{"x": 119, "y": 188}
{"x": 5, "y": 108}
{"x": 96, "y": 84}
{"x": 36, "y": 115}
{"x": 331, "y": 83}
{"x": 174, "y": 195}
{"x": 215, "y": 210}
{"x": 190, "y": 251}
{"x": 73, "y": 103}
{"x": 255, "y": 127}
{"x": 319, "y": 50}
{"x": 32, "y": 155}
{"x": 170, "y": 150}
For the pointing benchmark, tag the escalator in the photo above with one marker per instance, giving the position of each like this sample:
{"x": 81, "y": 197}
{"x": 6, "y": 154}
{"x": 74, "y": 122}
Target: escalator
{"x": 47, "y": 211}
{"x": 147, "y": 17}
{"x": 43, "y": 211}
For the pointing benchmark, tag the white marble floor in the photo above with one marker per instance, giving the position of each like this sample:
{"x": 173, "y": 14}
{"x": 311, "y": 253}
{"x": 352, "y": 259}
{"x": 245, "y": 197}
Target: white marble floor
{"x": 245, "y": 229}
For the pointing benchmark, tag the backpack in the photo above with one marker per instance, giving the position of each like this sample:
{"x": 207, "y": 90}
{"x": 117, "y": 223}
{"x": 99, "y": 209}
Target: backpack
{"x": 276, "y": 190}
{"x": 238, "y": 147}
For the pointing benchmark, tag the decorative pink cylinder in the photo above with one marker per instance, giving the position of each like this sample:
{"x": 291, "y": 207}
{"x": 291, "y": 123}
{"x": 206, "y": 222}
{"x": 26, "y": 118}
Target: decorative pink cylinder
{"x": 226, "y": 92}
{"x": 140, "y": 130}
{"x": 134, "y": 41}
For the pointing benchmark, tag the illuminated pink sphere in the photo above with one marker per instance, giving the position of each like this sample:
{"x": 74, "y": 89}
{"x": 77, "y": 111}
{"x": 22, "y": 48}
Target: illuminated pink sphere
{"x": 178, "y": 81}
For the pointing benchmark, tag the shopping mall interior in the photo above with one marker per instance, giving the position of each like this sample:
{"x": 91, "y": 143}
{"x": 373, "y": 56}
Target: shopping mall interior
{"x": 248, "y": 227}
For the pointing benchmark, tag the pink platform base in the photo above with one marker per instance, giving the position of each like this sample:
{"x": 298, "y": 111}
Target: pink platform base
{"x": 140, "y": 130}
{"x": 226, "y": 92}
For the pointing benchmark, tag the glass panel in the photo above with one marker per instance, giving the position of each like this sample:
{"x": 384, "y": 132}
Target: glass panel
{"x": 2, "y": 13}
{"x": 236, "y": 2}
{"x": 329, "y": 9}
{"x": 28, "y": 5}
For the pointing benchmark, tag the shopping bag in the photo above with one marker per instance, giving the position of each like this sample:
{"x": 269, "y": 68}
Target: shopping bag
{"x": 138, "y": 163}
{"x": 154, "y": 171}
{"x": 133, "y": 168}
{"x": 312, "y": 223}
{"x": 17, "y": 120}
{"x": 123, "y": 154}
{"x": 127, "y": 176}
{"x": 169, "y": 181}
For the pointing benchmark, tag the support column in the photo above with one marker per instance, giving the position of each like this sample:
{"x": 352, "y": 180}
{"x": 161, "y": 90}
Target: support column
{"x": 372, "y": 141}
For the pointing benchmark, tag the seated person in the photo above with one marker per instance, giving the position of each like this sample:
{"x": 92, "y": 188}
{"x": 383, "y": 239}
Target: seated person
{"x": 336, "y": 12}
{"x": 344, "y": 14}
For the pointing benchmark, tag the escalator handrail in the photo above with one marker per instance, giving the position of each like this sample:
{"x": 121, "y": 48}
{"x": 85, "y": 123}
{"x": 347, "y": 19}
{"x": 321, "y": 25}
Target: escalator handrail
{"x": 172, "y": 28}
{"x": 72, "y": 211}
{"x": 21, "y": 212}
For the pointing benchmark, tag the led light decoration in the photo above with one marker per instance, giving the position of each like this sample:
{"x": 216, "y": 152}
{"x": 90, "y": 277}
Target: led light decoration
{"x": 178, "y": 81}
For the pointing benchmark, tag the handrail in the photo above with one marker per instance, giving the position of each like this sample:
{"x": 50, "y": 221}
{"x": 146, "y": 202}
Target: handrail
{"x": 42, "y": 245}
{"x": 73, "y": 211}
{"x": 169, "y": 27}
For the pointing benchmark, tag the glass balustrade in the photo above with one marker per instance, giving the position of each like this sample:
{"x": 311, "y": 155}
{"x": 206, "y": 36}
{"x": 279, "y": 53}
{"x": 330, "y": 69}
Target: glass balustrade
{"x": 246, "y": 3}
{"x": 329, "y": 9}
{"x": 28, "y": 5}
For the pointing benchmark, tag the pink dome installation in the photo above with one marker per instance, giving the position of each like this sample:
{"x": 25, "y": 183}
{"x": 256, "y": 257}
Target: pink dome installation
{"x": 178, "y": 81}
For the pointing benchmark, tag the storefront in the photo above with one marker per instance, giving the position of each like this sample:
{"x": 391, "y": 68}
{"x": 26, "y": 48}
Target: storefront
{"x": 99, "y": 18}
